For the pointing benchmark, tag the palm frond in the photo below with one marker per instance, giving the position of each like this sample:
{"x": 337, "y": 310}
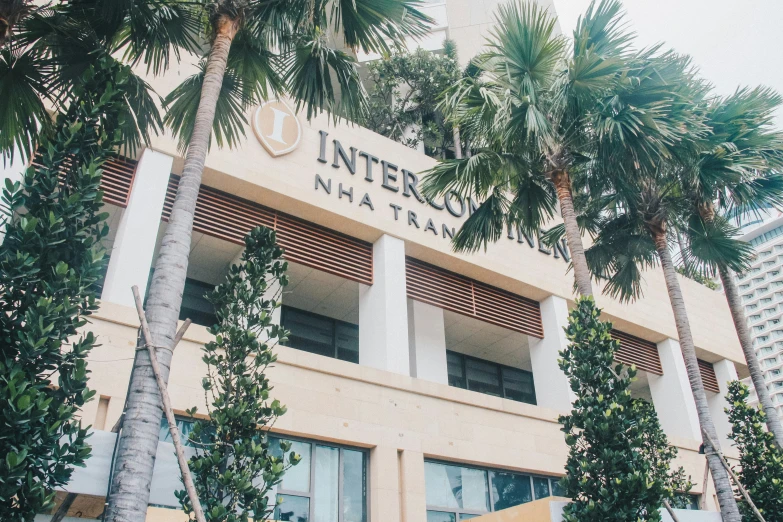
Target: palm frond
{"x": 486, "y": 225}
{"x": 379, "y": 25}
{"x": 713, "y": 244}
{"x": 23, "y": 88}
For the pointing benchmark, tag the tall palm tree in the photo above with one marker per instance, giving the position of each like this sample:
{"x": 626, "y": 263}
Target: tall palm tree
{"x": 640, "y": 208}
{"x": 254, "y": 48}
{"x": 737, "y": 172}
{"x": 45, "y": 49}
{"x": 538, "y": 113}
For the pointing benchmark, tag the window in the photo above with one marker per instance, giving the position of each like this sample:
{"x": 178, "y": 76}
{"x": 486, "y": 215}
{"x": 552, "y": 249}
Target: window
{"x": 755, "y": 317}
{"x": 765, "y": 351}
{"x": 745, "y": 286}
{"x": 321, "y": 335}
{"x": 775, "y": 232}
{"x": 328, "y": 485}
{"x": 491, "y": 378}
{"x": 770, "y": 311}
{"x": 766, "y": 299}
{"x": 195, "y": 305}
{"x": 457, "y": 493}
{"x": 185, "y": 426}
{"x": 757, "y": 280}
{"x": 770, "y": 362}
{"x": 751, "y": 307}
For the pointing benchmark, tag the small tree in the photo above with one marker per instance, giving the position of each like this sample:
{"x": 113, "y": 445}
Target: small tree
{"x": 235, "y": 468}
{"x": 404, "y": 97}
{"x": 619, "y": 461}
{"x": 51, "y": 262}
{"x": 760, "y": 457}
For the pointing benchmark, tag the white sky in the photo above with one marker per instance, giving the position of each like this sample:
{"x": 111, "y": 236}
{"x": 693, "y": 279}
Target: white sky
{"x": 733, "y": 42}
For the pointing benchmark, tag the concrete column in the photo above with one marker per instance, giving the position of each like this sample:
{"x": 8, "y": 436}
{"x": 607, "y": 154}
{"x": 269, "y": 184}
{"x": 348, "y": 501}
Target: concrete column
{"x": 725, "y": 371}
{"x": 383, "y": 310}
{"x": 413, "y": 500}
{"x": 552, "y": 388}
{"x": 131, "y": 255}
{"x": 384, "y": 494}
{"x": 427, "y": 342}
{"x": 12, "y": 171}
{"x": 671, "y": 394}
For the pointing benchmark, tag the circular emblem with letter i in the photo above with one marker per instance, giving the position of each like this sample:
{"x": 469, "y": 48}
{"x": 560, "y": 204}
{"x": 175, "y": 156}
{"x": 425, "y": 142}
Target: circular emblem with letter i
{"x": 277, "y": 127}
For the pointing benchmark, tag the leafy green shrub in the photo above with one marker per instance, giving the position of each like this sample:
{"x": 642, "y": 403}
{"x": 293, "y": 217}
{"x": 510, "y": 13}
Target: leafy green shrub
{"x": 51, "y": 262}
{"x": 619, "y": 459}
{"x": 760, "y": 457}
{"x": 235, "y": 469}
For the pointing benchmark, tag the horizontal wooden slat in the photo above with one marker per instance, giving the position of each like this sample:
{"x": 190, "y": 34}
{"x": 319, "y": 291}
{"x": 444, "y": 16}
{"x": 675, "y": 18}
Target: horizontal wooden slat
{"x": 116, "y": 181}
{"x": 462, "y": 295}
{"x": 642, "y": 353}
{"x": 229, "y": 217}
{"x": 708, "y": 376}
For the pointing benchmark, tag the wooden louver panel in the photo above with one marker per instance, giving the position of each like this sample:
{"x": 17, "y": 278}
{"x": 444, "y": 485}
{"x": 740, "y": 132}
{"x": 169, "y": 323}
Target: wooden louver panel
{"x": 642, "y": 353}
{"x": 229, "y": 217}
{"x": 456, "y": 293}
{"x": 708, "y": 376}
{"x": 116, "y": 181}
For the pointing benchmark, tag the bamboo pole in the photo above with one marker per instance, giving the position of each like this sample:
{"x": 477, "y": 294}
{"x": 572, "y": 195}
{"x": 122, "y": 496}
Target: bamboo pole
{"x": 705, "y": 485}
{"x": 187, "y": 479}
{"x": 733, "y": 476}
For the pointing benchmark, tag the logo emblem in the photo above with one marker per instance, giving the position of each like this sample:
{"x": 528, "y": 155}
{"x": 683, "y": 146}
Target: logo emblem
{"x": 277, "y": 127}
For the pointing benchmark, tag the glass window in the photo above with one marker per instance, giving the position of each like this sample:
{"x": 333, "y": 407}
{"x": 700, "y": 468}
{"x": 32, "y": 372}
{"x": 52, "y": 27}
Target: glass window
{"x": 510, "y": 489}
{"x": 185, "y": 426}
{"x": 321, "y": 335}
{"x": 483, "y": 377}
{"x": 557, "y": 489}
{"x": 541, "y": 487}
{"x": 457, "y": 493}
{"x": 518, "y": 385}
{"x": 456, "y": 370}
{"x": 327, "y": 482}
{"x": 195, "y": 305}
{"x": 491, "y": 378}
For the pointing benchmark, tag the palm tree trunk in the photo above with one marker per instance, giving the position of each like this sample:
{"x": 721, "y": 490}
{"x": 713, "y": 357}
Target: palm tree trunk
{"x": 562, "y": 183}
{"x": 741, "y": 326}
{"x": 723, "y": 489}
{"x": 457, "y": 143}
{"x": 130, "y": 487}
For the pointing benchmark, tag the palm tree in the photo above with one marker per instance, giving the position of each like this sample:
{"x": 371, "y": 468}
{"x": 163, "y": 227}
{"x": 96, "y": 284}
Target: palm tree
{"x": 736, "y": 172}
{"x": 640, "y": 209}
{"x": 45, "y": 49}
{"x": 254, "y": 47}
{"x": 538, "y": 112}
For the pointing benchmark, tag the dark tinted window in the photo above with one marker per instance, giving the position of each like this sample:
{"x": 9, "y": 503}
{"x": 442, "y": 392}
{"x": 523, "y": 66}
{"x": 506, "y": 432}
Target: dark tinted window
{"x": 456, "y": 370}
{"x": 491, "y": 378}
{"x": 483, "y": 377}
{"x": 321, "y": 335}
{"x": 195, "y": 305}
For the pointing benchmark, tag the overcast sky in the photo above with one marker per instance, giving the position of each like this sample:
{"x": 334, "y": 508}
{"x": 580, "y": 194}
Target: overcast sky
{"x": 733, "y": 42}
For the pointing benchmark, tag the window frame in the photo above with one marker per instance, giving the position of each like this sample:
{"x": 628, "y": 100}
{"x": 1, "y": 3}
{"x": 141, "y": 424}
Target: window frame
{"x": 500, "y": 367}
{"x": 285, "y": 309}
{"x": 490, "y": 472}
{"x": 311, "y": 484}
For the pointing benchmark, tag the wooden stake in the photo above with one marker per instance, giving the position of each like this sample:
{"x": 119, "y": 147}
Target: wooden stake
{"x": 64, "y": 507}
{"x": 670, "y": 510}
{"x": 733, "y": 476}
{"x": 187, "y": 479}
{"x": 705, "y": 484}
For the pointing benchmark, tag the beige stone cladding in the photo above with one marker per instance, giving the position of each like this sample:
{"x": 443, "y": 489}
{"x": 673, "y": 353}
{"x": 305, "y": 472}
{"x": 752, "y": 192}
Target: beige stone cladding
{"x": 401, "y": 420}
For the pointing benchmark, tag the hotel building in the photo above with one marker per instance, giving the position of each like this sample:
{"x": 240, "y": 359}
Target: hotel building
{"x": 420, "y": 384}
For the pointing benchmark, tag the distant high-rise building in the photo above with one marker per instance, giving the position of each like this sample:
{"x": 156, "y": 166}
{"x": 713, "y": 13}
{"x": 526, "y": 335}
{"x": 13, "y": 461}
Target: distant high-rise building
{"x": 761, "y": 291}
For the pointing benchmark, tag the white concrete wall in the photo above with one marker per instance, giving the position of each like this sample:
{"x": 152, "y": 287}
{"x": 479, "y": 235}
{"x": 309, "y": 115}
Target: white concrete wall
{"x": 552, "y": 388}
{"x": 427, "y": 342}
{"x": 671, "y": 394}
{"x": 383, "y": 310}
{"x": 131, "y": 256}
{"x": 725, "y": 371}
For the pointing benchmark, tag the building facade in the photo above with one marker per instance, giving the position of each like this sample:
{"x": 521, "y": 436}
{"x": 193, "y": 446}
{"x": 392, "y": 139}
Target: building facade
{"x": 761, "y": 291}
{"x": 421, "y": 384}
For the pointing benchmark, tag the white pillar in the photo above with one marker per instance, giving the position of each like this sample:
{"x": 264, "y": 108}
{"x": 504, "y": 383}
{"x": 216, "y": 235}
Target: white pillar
{"x": 552, "y": 388}
{"x": 725, "y": 371}
{"x": 383, "y": 310}
{"x": 427, "y": 341}
{"x": 12, "y": 171}
{"x": 134, "y": 245}
{"x": 671, "y": 394}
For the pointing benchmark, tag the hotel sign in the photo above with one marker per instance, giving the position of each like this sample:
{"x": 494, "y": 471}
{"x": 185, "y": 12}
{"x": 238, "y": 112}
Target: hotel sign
{"x": 405, "y": 183}
{"x": 277, "y": 127}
